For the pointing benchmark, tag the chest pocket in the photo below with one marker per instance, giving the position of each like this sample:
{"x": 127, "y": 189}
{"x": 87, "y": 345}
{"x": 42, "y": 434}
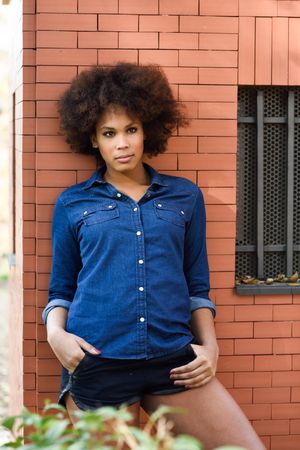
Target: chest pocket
{"x": 100, "y": 213}
{"x": 171, "y": 212}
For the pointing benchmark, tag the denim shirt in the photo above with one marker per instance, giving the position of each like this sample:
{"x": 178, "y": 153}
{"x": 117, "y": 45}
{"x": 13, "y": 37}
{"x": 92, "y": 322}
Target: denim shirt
{"x": 130, "y": 273}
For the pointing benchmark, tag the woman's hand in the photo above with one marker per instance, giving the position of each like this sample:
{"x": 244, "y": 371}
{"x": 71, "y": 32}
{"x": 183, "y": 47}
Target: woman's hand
{"x": 199, "y": 371}
{"x": 68, "y": 348}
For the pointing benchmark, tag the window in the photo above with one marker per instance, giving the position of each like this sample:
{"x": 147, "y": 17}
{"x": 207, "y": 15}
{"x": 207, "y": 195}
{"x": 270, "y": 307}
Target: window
{"x": 268, "y": 188}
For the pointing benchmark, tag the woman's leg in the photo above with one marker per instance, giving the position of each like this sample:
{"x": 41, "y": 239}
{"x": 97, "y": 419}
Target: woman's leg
{"x": 133, "y": 409}
{"x": 212, "y": 416}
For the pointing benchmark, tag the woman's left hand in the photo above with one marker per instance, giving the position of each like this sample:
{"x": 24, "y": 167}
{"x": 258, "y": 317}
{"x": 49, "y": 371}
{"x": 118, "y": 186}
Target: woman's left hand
{"x": 199, "y": 371}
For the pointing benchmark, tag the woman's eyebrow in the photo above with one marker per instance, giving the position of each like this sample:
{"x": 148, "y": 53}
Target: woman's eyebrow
{"x": 112, "y": 128}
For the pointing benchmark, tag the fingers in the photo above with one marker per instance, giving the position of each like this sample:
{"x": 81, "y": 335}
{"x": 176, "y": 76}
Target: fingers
{"x": 86, "y": 346}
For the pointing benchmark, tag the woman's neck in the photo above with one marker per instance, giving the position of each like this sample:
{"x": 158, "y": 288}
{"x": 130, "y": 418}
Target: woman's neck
{"x": 138, "y": 176}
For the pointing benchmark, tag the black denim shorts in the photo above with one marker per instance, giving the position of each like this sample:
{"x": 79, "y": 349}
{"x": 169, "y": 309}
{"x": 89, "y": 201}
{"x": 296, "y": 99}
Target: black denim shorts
{"x": 99, "y": 381}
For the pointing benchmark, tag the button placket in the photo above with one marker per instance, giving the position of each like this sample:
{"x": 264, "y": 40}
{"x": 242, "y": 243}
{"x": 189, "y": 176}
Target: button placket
{"x": 141, "y": 280}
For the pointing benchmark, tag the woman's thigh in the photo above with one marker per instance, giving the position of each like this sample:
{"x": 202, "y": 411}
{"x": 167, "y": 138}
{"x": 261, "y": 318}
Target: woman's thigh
{"x": 133, "y": 409}
{"x": 212, "y": 416}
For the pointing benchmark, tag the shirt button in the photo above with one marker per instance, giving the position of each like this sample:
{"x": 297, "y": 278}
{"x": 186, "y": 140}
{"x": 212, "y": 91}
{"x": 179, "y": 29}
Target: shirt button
{"x": 159, "y": 205}
{"x": 85, "y": 212}
{"x": 148, "y": 194}
{"x": 182, "y": 212}
{"x": 134, "y": 209}
{"x": 141, "y": 288}
{"x": 142, "y": 319}
{"x": 141, "y": 261}
{"x": 110, "y": 206}
{"x": 119, "y": 195}
{"x": 138, "y": 233}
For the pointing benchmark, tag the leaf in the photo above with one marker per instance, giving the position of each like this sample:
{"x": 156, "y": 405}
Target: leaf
{"x": 9, "y": 422}
{"x": 185, "y": 442}
{"x": 56, "y": 429}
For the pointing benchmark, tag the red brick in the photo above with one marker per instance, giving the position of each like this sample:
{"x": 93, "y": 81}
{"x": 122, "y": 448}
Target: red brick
{"x": 257, "y": 411}
{"x": 124, "y": 22}
{"x": 138, "y": 40}
{"x": 221, "y": 76}
{"x": 271, "y": 395}
{"x": 207, "y": 58}
{"x": 56, "y": 39}
{"x": 44, "y": 246}
{"x": 273, "y": 427}
{"x": 273, "y": 299}
{"x": 207, "y": 93}
{"x": 295, "y": 394}
{"x": 111, "y": 57}
{"x": 29, "y": 39}
{"x": 76, "y": 22}
{"x": 246, "y": 50}
{"x": 163, "y": 57}
{"x": 180, "y": 144}
{"x": 241, "y": 396}
{"x": 295, "y": 426}
{"x": 221, "y": 263}
{"x": 234, "y": 329}
{"x": 67, "y": 161}
{"x": 216, "y": 144}
{"x": 252, "y": 379}
{"x": 52, "y": 144}
{"x": 178, "y": 40}
{"x": 28, "y": 57}
{"x": 287, "y": 312}
{"x": 235, "y": 363}
{"x": 280, "y": 54}
{"x": 219, "y": 229}
{"x": 158, "y": 23}
{"x": 29, "y": 330}
{"x": 66, "y": 56}
{"x": 183, "y": 8}
{"x": 43, "y": 230}
{"x": 67, "y": 6}
{"x": 46, "y": 109}
{"x": 222, "y": 280}
{"x": 29, "y": 364}
{"x": 48, "y": 383}
{"x": 286, "y": 378}
{"x": 226, "y": 379}
{"x": 214, "y": 110}
{"x": 263, "y": 51}
{"x": 29, "y": 297}
{"x": 286, "y": 411}
{"x": 48, "y": 178}
{"x": 204, "y": 24}
{"x": 258, "y": 8}
{"x": 218, "y": 41}
{"x": 29, "y": 398}
{"x": 296, "y": 329}
{"x": 287, "y": 345}
{"x": 47, "y": 126}
{"x": 29, "y": 347}
{"x": 55, "y": 74}
{"x": 220, "y": 195}
{"x": 218, "y": 178}
{"x": 219, "y": 8}
{"x": 294, "y": 48}
{"x": 28, "y": 178}
{"x": 272, "y": 329}
{"x": 98, "y": 6}
{"x": 288, "y": 8}
{"x": 29, "y": 381}
{"x": 255, "y": 313}
{"x": 48, "y": 367}
{"x": 138, "y": 7}
{"x": 209, "y": 128}
{"x": 253, "y": 346}
{"x": 285, "y": 442}
{"x": 100, "y": 39}
{"x": 273, "y": 362}
{"x": 225, "y": 346}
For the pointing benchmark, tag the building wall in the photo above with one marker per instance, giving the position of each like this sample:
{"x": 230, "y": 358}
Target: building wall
{"x": 207, "y": 48}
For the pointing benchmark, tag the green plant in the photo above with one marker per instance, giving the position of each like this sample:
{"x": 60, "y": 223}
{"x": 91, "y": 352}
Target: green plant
{"x": 106, "y": 428}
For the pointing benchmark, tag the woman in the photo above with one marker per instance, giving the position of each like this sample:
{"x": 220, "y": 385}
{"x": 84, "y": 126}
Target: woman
{"x": 129, "y": 316}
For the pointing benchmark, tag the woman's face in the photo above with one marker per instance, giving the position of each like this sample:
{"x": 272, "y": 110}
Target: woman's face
{"x": 120, "y": 139}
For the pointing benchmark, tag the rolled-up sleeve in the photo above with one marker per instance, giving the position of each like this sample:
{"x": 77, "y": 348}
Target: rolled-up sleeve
{"x": 66, "y": 261}
{"x": 196, "y": 267}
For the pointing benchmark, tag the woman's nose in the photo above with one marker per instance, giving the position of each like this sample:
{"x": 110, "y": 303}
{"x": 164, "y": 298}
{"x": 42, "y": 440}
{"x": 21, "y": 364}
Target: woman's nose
{"x": 122, "y": 141}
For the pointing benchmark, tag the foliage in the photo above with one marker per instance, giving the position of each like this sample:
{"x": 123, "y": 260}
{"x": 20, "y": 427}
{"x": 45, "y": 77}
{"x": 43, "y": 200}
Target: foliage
{"x": 106, "y": 428}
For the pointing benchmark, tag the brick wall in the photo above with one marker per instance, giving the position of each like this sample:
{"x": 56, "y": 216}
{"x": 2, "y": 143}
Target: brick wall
{"x": 206, "y": 48}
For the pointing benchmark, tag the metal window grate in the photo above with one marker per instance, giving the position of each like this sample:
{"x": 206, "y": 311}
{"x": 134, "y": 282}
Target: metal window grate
{"x": 268, "y": 185}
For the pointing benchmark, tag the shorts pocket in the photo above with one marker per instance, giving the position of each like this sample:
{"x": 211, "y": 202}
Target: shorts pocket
{"x": 80, "y": 365}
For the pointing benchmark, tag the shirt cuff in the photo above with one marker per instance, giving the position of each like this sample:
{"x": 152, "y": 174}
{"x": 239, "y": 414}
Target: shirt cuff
{"x": 53, "y": 304}
{"x": 201, "y": 302}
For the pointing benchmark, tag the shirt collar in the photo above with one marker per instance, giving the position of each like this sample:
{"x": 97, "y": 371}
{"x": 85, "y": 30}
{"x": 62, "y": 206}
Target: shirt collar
{"x": 155, "y": 177}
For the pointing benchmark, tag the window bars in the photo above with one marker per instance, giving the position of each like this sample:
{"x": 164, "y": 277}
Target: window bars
{"x": 268, "y": 185}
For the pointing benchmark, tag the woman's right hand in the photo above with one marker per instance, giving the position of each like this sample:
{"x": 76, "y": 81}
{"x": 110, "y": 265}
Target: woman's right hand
{"x": 68, "y": 348}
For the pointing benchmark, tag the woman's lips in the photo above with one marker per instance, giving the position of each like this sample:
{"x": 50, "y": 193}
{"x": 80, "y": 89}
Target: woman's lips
{"x": 125, "y": 159}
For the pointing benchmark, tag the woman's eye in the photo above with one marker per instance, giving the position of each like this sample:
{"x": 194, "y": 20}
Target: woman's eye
{"x": 108, "y": 133}
{"x": 132, "y": 129}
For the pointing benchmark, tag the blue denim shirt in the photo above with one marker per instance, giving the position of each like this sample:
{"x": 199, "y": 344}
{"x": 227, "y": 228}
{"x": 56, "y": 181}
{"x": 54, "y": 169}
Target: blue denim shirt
{"x": 130, "y": 273}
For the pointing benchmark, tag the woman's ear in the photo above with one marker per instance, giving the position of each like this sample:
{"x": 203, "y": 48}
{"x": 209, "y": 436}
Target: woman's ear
{"x": 94, "y": 141}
